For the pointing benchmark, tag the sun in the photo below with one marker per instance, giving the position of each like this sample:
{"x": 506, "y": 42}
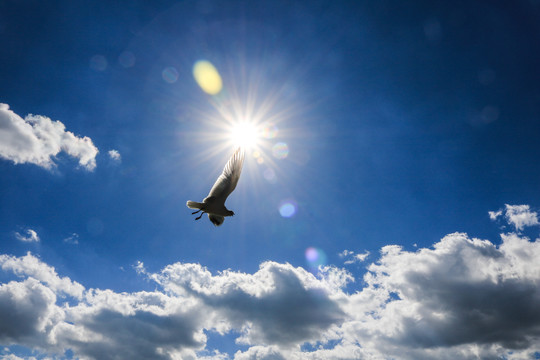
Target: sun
{"x": 245, "y": 134}
{"x": 245, "y": 114}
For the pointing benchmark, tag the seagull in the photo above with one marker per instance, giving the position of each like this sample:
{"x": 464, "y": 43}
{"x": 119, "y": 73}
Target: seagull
{"x": 214, "y": 203}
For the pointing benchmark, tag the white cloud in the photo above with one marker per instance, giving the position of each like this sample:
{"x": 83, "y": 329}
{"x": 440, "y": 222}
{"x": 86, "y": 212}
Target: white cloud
{"x": 260, "y": 353}
{"x": 137, "y": 326}
{"x": 72, "y": 239}
{"x": 31, "y": 267}
{"x": 462, "y": 298}
{"x": 28, "y": 312}
{"x": 37, "y": 140}
{"x": 493, "y": 215}
{"x": 31, "y": 236}
{"x": 362, "y": 257}
{"x": 139, "y": 268}
{"x": 521, "y": 216}
{"x": 345, "y": 253}
{"x": 352, "y": 257}
{"x": 357, "y": 258}
{"x": 115, "y": 155}
{"x": 279, "y": 304}
{"x": 15, "y": 357}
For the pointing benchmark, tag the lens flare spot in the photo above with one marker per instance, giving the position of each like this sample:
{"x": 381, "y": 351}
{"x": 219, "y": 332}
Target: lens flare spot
{"x": 170, "y": 74}
{"x": 270, "y": 175}
{"x": 311, "y": 254}
{"x": 287, "y": 208}
{"x": 269, "y": 131}
{"x": 207, "y": 77}
{"x": 126, "y": 59}
{"x": 98, "y": 63}
{"x": 280, "y": 150}
{"x": 315, "y": 257}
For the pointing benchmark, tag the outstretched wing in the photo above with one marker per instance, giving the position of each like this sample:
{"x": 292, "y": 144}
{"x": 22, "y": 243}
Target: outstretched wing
{"x": 226, "y": 182}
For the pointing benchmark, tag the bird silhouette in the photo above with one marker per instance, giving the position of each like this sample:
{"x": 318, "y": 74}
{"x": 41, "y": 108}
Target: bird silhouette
{"x": 214, "y": 203}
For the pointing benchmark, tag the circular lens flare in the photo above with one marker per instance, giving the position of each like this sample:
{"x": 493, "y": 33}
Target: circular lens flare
{"x": 287, "y": 208}
{"x": 280, "y": 150}
{"x": 270, "y": 131}
{"x": 170, "y": 75}
{"x": 244, "y": 134}
{"x": 312, "y": 254}
{"x": 315, "y": 258}
{"x": 207, "y": 77}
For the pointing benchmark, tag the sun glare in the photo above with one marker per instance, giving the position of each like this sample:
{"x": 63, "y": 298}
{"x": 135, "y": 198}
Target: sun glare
{"x": 244, "y": 114}
{"x": 244, "y": 134}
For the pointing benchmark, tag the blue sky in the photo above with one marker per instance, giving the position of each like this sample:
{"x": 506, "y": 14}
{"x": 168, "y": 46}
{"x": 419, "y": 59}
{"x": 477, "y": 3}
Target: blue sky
{"x": 389, "y": 209}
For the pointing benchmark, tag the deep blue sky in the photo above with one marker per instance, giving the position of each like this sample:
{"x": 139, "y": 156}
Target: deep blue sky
{"x": 405, "y": 122}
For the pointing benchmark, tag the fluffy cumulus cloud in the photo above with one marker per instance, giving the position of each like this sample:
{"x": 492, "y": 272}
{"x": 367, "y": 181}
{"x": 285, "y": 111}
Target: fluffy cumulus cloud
{"x": 142, "y": 325}
{"x": 37, "y": 140}
{"x": 463, "y": 298}
{"x": 31, "y": 267}
{"x": 28, "y": 312}
{"x": 519, "y": 216}
{"x": 279, "y": 304}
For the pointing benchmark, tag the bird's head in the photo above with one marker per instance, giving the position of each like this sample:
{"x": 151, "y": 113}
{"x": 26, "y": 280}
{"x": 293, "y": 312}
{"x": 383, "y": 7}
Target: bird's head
{"x": 231, "y": 213}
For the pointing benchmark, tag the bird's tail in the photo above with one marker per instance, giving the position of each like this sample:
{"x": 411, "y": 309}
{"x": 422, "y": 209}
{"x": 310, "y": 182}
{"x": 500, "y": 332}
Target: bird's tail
{"x": 194, "y": 205}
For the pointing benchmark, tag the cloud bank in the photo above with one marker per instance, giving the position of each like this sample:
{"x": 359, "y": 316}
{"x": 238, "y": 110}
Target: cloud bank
{"x": 37, "y": 140}
{"x": 463, "y": 298}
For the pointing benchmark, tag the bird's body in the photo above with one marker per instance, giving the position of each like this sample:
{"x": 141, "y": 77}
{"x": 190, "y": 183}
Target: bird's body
{"x": 214, "y": 203}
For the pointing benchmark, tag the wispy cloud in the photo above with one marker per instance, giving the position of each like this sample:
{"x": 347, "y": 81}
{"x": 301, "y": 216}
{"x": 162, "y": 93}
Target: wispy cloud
{"x": 115, "y": 156}
{"x": 345, "y": 253}
{"x": 31, "y": 236}
{"x": 461, "y": 298}
{"x": 139, "y": 268}
{"x": 351, "y": 258}
{"x": 493, "y": 215}
{"x": 37, "y": 140}
{"x": 72, "y": 239}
